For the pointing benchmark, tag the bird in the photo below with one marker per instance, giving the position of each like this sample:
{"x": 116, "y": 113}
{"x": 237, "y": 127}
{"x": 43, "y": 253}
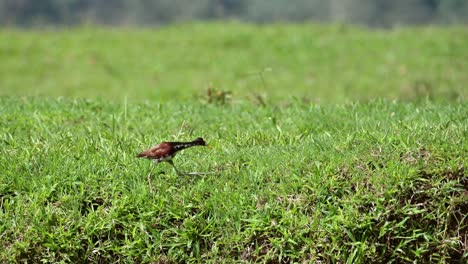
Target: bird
{"x": 166, "y": 151}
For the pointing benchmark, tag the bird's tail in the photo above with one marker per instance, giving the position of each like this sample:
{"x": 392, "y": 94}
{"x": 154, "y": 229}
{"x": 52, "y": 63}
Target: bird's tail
{"x": 141, "y": 155}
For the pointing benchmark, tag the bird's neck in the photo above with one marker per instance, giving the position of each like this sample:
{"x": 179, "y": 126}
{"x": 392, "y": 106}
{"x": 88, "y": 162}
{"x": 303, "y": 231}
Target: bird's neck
{"x": 184, "y": 145}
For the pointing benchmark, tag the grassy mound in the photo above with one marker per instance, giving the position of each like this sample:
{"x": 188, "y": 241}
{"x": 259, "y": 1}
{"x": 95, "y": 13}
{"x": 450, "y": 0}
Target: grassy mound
{"x": 370, "y": 182}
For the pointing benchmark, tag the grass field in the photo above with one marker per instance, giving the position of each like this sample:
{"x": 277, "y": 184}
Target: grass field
{"x": 324, "y": 64}
{"x": 306, "y": 167}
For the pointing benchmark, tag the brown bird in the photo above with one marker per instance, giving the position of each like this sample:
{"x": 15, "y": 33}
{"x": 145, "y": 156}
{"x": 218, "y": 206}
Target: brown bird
{"x": 165, "y": 151}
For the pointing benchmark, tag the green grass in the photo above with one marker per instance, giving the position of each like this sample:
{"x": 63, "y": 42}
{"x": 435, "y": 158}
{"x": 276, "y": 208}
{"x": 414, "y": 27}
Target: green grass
{"x": 325, "y": 64}
{"x": 352, "y": 149}
{"x": 370, "y": 182}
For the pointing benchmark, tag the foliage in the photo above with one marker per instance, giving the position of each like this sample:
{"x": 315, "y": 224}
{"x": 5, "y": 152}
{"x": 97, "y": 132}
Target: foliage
{"x": 124, "y": 12}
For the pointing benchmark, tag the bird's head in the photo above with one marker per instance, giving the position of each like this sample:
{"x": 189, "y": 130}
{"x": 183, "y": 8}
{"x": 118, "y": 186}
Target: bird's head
{"x": 199, "y": 141}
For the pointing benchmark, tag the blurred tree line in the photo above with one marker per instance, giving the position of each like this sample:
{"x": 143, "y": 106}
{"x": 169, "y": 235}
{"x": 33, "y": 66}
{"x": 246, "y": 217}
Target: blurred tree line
{"x": 381, "y": 13}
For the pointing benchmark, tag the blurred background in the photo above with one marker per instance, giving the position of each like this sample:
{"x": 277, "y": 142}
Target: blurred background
{"x": 374, "y": 13}
{"x": 221, "y": 50}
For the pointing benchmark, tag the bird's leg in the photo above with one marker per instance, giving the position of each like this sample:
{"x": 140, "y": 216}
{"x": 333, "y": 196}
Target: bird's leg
{"x": 177, "y": 171}
{"x": 149, "y": 177}
{"x": 186, "y": 173}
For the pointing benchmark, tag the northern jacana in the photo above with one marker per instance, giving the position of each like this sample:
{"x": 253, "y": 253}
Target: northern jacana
{"x": 165, "y": 151}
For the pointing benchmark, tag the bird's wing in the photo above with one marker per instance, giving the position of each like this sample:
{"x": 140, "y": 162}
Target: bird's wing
{"x": 148, "y": 153}
{"x": 160, "y": 150}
